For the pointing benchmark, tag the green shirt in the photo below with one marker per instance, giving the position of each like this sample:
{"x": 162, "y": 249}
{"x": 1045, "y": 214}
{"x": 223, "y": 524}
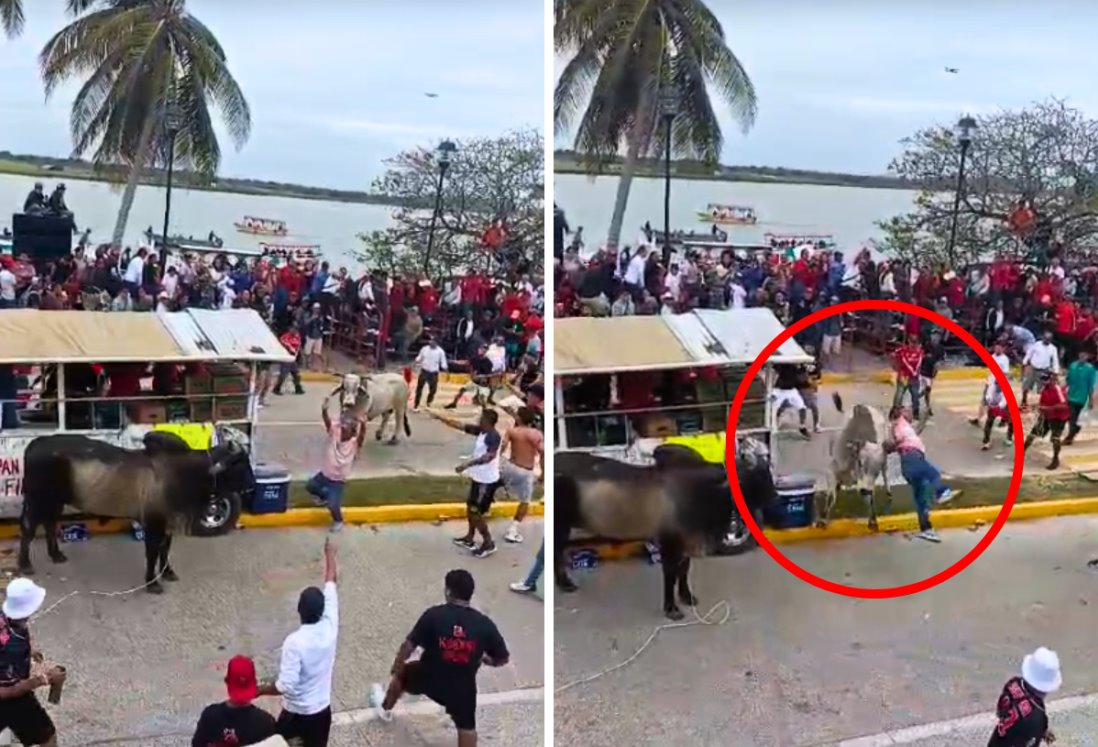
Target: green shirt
{"x": 1081, "y": 377}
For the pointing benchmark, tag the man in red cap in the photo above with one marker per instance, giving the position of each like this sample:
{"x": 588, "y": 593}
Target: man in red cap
{"x": 235, "y": 722}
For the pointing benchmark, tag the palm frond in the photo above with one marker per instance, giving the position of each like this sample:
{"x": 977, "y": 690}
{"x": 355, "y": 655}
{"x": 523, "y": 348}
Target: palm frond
{"x": 12, "y": 18}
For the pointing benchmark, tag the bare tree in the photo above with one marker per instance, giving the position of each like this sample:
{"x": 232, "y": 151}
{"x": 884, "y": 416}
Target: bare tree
{"x": 489, "y": 179}
{"x": 1047, "y": 154}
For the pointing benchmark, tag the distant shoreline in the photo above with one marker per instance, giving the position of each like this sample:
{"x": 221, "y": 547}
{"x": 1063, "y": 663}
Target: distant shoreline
{"x": 566, "y": 162}
{"x": 55, "y": 169}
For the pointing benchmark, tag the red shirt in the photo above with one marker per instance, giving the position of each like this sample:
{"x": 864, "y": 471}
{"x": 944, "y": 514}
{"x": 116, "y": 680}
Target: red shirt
{"x": 125, "y": 379}
{"x": 999, "y": 275}
{"x": 428, "y": 301}
{"x": 955, "y": 292}
{"x": 291, "y": 341}
{"x": 511, "y": 303}
{"x": 1043, "y": 288}
{"x": 1085, "y": 325}
{"x": 472, "y": 289}
{"x": 911, "y": 325}
{"x": 1054, "y": 405}
{"x": 1066, "y": 317}
{"x": 907, "y": 359}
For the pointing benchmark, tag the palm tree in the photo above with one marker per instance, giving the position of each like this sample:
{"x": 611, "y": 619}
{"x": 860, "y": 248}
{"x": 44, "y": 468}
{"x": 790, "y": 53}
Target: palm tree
{"x": 143, "y": 59}
{"x": 624, "y": 55}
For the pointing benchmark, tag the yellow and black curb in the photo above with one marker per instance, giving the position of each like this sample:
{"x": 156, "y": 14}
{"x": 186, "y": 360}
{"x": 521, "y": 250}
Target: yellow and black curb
{"x": 313, "y": 517}
{"x": 975, "y": 517}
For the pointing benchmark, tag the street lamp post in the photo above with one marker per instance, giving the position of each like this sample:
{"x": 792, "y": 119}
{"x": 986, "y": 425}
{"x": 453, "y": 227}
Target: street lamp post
{"x": 446, "y": 150}
{"x": 966, "y": 129}
{"x": 669, "y": 109}
{"x": 173, "y": 123}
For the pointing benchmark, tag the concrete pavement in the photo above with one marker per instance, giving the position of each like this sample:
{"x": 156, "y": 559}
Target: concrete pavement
{"x": 141, "y": 667}
{"x": 799, "y": 666}
{"x": 290, "y": 433}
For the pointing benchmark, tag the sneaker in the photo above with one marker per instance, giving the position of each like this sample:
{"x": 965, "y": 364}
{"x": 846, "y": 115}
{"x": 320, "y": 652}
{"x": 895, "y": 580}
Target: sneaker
{"x": 1008, "y": 441}
{"x": 513, "y": 536}
{"x": 985, "y": 446}
{"x": 336, "y": 528}
{"x": 464, "y": 544}
{"x": 946, "y": 496}
{"x": 318, "y": 501}
{"x": 377, "y": 697}
{"x": 520, "y": 587}
{"x": 816, "y": 428}
{"x": 804, "y": 432}
{"x": 484, "y": 551}
{"x": 929, "y": 535}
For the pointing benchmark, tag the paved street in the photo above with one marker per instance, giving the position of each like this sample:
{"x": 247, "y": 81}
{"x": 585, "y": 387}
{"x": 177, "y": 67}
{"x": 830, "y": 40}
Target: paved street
{"x": 290, "y": 433}
{"x": 142, "y": 667}
{"x": 798, "y": 666}
{"x": 952, "y": 443}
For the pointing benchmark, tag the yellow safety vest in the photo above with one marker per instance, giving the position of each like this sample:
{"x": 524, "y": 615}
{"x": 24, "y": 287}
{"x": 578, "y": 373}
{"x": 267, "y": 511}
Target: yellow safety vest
{"x": 710, "y": 446}
{"x": 198, "y": 436}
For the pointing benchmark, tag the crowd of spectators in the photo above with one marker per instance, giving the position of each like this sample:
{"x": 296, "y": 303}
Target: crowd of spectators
{"x": 1004, "y": 297}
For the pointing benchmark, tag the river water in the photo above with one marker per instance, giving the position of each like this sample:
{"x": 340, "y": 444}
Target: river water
{"x": 195, "y": 213}
{"x": 847, "y": 213}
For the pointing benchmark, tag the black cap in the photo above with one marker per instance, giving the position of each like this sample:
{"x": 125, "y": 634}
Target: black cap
{"x": 310, "y": 605}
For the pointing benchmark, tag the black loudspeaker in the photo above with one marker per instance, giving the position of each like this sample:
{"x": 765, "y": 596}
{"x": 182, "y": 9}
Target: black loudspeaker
{"x": 41, "y": 236}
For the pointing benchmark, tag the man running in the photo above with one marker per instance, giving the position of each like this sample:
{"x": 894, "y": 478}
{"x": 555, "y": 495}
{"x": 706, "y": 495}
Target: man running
{"x": 809, "y": 386}
{"x": 1054, "y": 417}
{"x": 919, "y": 473}
{"x": 483, "y": 472}
{"x": 529, "y": 584}
{"x": 1038, "y": 366}
{"x": 928, "y": 369}
{"x": 430, "y": 360}
{"x": 992, "y": 394}
{"x": 787, "y": 394}
{"x": 1081, "y": 378}
{"x": 480, "y": 381}
{"x": 456, "y": 639}
{"x": 525, "y": 447}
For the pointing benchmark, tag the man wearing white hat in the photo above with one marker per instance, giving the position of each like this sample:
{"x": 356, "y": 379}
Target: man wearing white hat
{"x": 1021, "y": 710}
{"x": 20, "y": 710}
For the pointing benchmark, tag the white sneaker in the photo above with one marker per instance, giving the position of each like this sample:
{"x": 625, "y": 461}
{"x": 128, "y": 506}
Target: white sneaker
{"x": 520, "y": 587}
{"x": 377, "y": 697}
{"x": 336, "y": 528}
{"x": 929, "y": 535}
{"x": 513, "y": 536}
{"x": 946, "y": 496}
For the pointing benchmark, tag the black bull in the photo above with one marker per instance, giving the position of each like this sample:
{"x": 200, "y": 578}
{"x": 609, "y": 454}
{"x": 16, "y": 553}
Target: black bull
{"x": 683, "y": 503}
{"x": 164, "y": 484}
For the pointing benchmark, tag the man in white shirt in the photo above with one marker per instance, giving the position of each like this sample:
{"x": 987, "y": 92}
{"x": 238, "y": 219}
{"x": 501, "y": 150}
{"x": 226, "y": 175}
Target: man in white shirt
{"x": 308, "y": 658}
{"x": 673, "y": 283}
{"x": 431, "y": 360}
{"x": 992, "y": 396}
{"x": 483, "y": 472}
{"x": 634, "y": 273}
{"x": 135, "y": 271}
{"x": 7, "y": 286}
{"x": 1041, "y": 361}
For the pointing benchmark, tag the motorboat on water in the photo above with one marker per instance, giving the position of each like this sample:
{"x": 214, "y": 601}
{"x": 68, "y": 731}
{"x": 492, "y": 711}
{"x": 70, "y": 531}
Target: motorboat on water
{"x": 294, "y": 252}
{"x": 728, "y": 215}
{"x": 261, "y": 226}
{"x": 784, "y": 240}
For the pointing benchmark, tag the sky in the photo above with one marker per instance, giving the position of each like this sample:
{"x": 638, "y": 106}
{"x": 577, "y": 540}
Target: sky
{"x": 840, "y": 82}
{"x": 335, "y": 86}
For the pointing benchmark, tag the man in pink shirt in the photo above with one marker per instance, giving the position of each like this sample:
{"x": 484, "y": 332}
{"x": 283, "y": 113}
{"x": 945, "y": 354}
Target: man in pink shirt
{"x": 343, "y": 444}
{"x": 919, "y": 473}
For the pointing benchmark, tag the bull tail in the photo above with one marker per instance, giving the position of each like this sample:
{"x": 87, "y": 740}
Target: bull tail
{"x": 838, "y": 400}
{"x": 407, "y": 426}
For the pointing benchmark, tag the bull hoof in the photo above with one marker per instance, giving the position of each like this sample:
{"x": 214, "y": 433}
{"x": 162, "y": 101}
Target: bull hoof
{"x": 674, "y": 613}
{"x": 169, "y": 575}
{"x": 567, "y": 585}
{"x": 821, "y": 523}
{"x": 26, "y": 569}
{"x": 873, "y": 525}
{"x": 59, "y": 557}
{"x": 392, "y": 442}
{"x": 377, "y": 436}
{"x": 689, "y": 600}
{"x": 155, "y": 588}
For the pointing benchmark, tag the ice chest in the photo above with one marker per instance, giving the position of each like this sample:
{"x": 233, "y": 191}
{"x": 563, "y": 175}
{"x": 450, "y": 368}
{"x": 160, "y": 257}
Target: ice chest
{"x": 272, "y": 489}
{"x": 795, "y": 504}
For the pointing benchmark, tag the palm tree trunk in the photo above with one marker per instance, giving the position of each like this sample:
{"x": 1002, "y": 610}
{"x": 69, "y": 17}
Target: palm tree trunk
{"x": 625, "y": 182}
{"x": 136, "y": 170}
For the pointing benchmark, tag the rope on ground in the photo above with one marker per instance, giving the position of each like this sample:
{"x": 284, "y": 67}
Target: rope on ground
{"x": 72, "y": 594}
{"x": 706, "y": 619}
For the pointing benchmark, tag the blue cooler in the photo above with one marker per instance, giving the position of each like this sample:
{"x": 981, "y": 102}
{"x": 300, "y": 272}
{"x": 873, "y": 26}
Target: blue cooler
{"x": 795, "y": 504}
{"x": 272, "y": 490}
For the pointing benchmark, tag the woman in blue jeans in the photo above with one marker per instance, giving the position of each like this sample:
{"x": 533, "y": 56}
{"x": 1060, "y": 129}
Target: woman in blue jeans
{"x": 530, "y": 583}
{"x": 924, "y": 478}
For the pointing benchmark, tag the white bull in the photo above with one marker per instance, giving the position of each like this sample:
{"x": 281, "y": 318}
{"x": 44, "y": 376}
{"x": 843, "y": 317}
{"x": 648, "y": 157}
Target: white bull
{"x": 384, "y": 394}
{"x": 858, "y": 458}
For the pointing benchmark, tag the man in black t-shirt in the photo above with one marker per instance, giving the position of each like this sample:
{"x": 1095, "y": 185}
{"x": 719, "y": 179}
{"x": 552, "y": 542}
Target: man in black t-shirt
{"x": 480, "y": 384}
{"x": 928, "y": 369}
{"x": 456, "y": 639}
{"x": 235, "y": 722}
{"x": 1023, "y": 721}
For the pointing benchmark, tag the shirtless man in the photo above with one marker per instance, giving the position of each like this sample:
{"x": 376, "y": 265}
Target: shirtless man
{"x": 526, "y": 447}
